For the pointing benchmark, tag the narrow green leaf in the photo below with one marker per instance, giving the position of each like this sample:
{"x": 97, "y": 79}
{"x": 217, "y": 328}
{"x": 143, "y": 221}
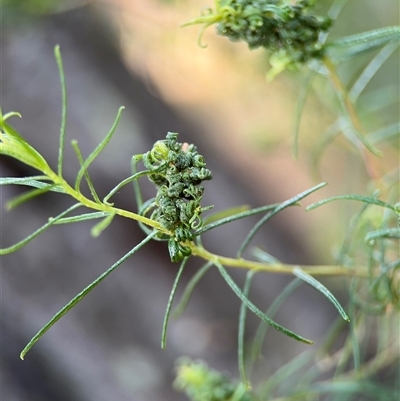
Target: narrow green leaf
{"x": 187, "y": 293}
{"x": 355, "y": 386}
{"x": 82, "y": 217}
{"x": 128, "y": 180}
{"x": 98, "y": 150}
{"x": 271, "y": 311}
{"x": 8, "y": 115}
{"x": 26, "y": 196}
{"x": 326, "y": 138}
{"x": 370, "y": 70}
{"x": 241, "y": 330}
{"x": 254, "y": 308}
{"x": 264, "y": 257}
{"x": 360, "y": 198}
{"x": 351, "y": 46}
{"x": 383, "y": 134}
{"x": 345, "y": 247}
{"x": 276, "y": 210}
{"x": 285, "y": 373}
{"x": 33, "y": 181}
{"x": 30, "y": 237}
{"x": 14, "y": 145}
{"x": 300, "y": 104}
{"x": 385, "y": 270}
{"x": 102, "y": 225}
{"x": 136, "y": 187}
{"x": 383, "y": 233}
{"x": 78, "y": 154}
{"x": 81, "y": 295}
{"x": 322, "y": 289}
{"x": 237, "y": 216}
{"x": 354, "y": 325}
{"x": 233, "y": 211}
{"x": 57, "y": 55}
{"x": 169, "y": 304}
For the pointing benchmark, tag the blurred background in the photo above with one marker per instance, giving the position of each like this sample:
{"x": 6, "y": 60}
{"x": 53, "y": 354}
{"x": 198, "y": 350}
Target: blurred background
{"x": 134, "y": 53}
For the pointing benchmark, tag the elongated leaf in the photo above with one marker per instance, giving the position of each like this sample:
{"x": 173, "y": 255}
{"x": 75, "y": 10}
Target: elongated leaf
{"x": 169, "y": 304}
{"x": 383, "y": 233}
{"x": 351, "y": 46}
{"x": 81, "y": 295}
{"x": 285, "y": 373}
{"x": 57, "y": 55}
{"x": 78, "y": 154}
{"x": 226, "y": 213}
{"x": 126, "y": 181}
{"x": 241, "y": 329}
{"x": 30, "y": 237}
{"x": 301, "y": 274}
{"x": 98, "y": 150}
{"x": 276, "y": 210}
{"x": 271, "y": 311}
{"x": 237, "y": 216}
{"x": 254, "y": 308}
{"x": 31, "y": 182}
{"x": 370, "y": 70}
{"x": 300, "y": 104}
{"x": 355, "y": 386}
{"x": 187, "y": 293}
{"x": 102, "y": 225}
{"x": 26, "y": 196}
{"x": 360, "y": 198}
{"x": 82, "y": 217}
{"x": 14, "y": 145}
{"x": 263, "y": 256}
{"x": 383, "y": 134}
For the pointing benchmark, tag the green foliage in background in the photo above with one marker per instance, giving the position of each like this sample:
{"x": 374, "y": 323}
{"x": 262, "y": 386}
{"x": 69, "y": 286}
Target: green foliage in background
{"x": 368, "y": 254}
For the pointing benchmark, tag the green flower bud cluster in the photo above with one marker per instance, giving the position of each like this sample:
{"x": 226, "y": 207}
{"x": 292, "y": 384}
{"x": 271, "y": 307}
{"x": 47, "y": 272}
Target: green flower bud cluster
{"x": 201, "y": 383}
{"x": 177, "y": 170}
{"x": 287, "y": 28}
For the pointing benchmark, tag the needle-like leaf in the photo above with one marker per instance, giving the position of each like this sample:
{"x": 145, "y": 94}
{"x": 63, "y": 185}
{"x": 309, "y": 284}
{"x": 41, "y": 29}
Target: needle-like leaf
{"x": 254, "y": 308}
{"x": 81, "y": 295}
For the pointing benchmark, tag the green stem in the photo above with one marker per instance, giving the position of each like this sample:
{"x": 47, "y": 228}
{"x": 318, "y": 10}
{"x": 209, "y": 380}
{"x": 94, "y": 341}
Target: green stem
{"x": 101, "y": 206}
{"x": 317, "y": 270}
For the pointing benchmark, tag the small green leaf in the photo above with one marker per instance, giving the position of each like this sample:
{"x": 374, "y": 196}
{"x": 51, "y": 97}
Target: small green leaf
{"x": 180, "y": 308}
{"x": 300, "y": 104}
{"x": 271, "y": 311}
{"x": 241, "y": 330}
{"x": 57, "y": 56}
{"x": 351, "y": 46}
{"x": 30, "y": 237}
{"x": 254, "y": 308}
{"x": 383, "y": 233}
{"x": 223, "y": 214}
{"x": 82, "y": 217}
{"x": 33, "y": 181}
{"x": 102, "y": 225}
{"x": 14, "y": 145}
{"x": 236, "y": 216}
{"x": 264, "y": 257}
{"x": 322, "y": 289}
{"x": 20, "y": 199}
{"x": 170, "y": 301}
{"x": 98, "y": 150}
{"x": 128, "y": 180}
{"x": 78, "y": 153}
{"x": 276, "y": 210}
{"x": 360, "y": 198}
{"x": 81, "y": 295}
